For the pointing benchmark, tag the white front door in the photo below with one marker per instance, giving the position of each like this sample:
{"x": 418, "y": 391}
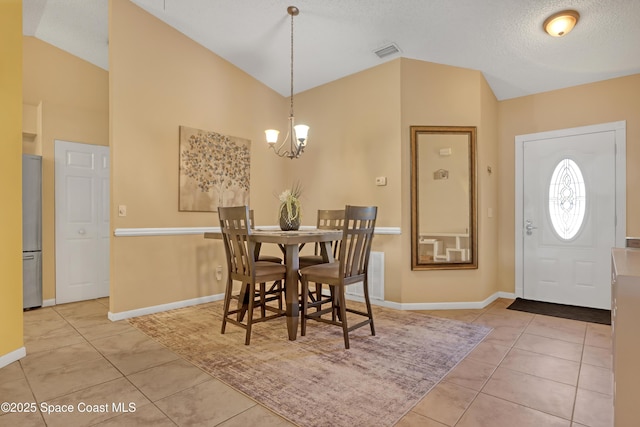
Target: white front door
{"x": 82, "y": 221}
{"x": 567, "y": 225}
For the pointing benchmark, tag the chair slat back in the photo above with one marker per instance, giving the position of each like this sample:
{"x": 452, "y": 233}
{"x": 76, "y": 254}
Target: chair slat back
{"x": 330, "y": 219}
{"x": 357, "y": 235}
{"x": 235, "y": 226}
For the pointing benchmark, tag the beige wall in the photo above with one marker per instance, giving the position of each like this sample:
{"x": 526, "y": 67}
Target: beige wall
{"x": 488, "y": 191}
{"x": 72, "y": 98}
{"x": 602, "y": 102}
{"x": 434, "y": 94}
{"x": 354, "y": 138}
{"x": 160, "y": 79}
{"x": 10, "y": 175}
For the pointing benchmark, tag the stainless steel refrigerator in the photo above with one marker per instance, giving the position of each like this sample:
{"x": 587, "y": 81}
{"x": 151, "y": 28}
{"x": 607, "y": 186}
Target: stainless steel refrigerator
{"x": 31, "y": 231}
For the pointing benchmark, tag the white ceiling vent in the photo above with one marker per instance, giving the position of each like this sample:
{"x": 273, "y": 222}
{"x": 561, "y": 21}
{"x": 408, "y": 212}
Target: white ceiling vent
{"x": 390, "y": 49}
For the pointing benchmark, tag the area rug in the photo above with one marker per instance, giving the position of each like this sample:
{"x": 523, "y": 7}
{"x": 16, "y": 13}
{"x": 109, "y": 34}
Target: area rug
{"x": 314, "y": 381}
{"x": 585, "y": 314}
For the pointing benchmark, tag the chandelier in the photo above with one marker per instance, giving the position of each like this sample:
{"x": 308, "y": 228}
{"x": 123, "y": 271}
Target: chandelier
{"x": 296, "y": 134}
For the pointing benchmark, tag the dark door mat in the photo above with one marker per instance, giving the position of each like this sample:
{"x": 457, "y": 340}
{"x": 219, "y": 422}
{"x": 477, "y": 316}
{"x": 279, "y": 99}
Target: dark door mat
{"x": 585, "y": 314}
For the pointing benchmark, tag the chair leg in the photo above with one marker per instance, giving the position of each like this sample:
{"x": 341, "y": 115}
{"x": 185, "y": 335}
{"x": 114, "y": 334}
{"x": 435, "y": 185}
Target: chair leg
{"x": 243, "y": 299}
{"x": 305, "y": 303}
{"x": 366, "y": 300}
{"x": 227, "y": 304}
{"x": 263, "y": 290}
{"x": 318, "y": 295}
{"x": 335, "y": 305}
{"x": 343, "y": 315}
{"x": 252, "y": 292}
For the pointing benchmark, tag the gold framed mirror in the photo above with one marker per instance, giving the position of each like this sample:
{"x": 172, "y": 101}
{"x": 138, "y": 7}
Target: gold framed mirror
{"x": 443, "y": 198}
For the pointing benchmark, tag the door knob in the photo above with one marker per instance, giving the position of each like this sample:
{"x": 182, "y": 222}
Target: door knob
{"x": 529, "y": 227}
{"x": 81, "y": 231}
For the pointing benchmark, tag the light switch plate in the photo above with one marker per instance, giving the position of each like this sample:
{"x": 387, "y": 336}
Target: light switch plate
{"x": 122, "y": 210}
{"x": 381, "y": 180}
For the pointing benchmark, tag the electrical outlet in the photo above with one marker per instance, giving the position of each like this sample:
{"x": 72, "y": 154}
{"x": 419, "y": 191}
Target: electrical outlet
{"x": 219, "y": 273}
{"x": 381, "y": 180}
{"x": 122, "y": 210}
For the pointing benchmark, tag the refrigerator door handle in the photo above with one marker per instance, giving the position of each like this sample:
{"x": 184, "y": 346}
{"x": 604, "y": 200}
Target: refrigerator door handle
{"x": 27, "y": 257}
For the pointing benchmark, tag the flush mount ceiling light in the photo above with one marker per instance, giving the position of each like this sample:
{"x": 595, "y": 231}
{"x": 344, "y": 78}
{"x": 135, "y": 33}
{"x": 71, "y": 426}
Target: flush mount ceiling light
{"x": 296, "y": 134}
{"x": 559, "y": 24}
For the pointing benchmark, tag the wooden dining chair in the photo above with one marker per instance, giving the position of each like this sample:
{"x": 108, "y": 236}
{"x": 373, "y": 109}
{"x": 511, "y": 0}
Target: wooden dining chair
{"x": 327, "y": 219}
{"x": 253, "y": 275}
{"x": 269, "y": 258}
{"x": 350, "y": 268}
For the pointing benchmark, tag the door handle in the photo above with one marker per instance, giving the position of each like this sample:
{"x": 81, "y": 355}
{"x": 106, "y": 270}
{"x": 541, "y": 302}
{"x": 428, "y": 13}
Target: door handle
{"x": 529, "y": 227}
{"x": 81, "y": 231}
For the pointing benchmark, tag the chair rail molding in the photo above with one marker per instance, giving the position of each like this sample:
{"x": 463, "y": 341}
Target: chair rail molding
{"x": 178, "y": 231}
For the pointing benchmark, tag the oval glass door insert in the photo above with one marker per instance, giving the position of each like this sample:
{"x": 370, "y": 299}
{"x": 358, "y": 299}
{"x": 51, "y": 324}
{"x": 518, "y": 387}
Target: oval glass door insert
{"x": 567, "y": 199}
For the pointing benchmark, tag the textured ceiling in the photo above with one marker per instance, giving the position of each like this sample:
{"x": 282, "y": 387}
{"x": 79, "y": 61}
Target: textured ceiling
{"x": 334, "y": 38}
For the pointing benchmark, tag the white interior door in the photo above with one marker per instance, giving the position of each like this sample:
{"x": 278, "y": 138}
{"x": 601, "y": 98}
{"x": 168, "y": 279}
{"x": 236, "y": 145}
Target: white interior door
{"x": 82, "y": 221}
{"x": 567, "y": 222}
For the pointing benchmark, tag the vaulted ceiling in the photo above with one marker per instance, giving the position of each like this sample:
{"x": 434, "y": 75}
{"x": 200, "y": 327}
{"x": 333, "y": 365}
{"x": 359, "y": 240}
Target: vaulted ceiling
{"x": 503, "y": 39}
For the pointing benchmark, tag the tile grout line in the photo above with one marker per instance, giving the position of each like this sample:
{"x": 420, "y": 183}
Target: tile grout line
{"x": 116, "y": 368}
{"x": 443, "y": 380}
{"x": 479, "y": 392}
{"x": 151, "y": 401}
{"x": 518, "y": 403}
{"x": 104, "y": 357}
{"x": 26, "y": 378}
{"x": 64, "y": 317}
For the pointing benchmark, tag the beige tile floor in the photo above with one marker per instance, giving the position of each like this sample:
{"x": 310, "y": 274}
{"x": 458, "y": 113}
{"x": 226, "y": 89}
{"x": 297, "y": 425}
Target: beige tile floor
{"x": 530, "y": 371}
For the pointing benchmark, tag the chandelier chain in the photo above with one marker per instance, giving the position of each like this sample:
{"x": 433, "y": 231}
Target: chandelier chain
{"x": 291, "y": 98}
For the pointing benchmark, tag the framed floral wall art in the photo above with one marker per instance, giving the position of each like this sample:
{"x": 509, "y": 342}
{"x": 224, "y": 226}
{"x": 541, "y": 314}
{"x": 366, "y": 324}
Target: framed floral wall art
{"x": 214, "y": 170}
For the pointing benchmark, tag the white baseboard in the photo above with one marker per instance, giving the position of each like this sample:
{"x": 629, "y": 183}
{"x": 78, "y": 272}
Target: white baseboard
{"x": 389, "y": 304}
{"x": 49, "y": 302}
{"x": 9, "y": 358}
{"x": 438, "y": 305}
{"x": 507, "y": 295}
{"x": 163, "y": 307}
